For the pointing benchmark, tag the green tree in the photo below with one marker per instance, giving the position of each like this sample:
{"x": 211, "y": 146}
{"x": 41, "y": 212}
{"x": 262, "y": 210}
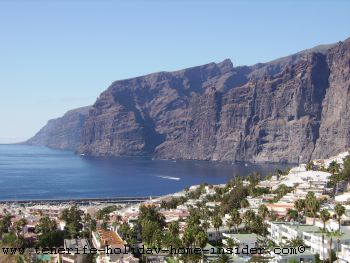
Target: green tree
{"x": 312, "y": 204}
{"x": 258, "y": 226}
{"x": 346, "y": 168}
{"x": 201, "y": 240}
{"x": 51, "y": 239}
{"x": 330, "y": 235}
{"x": 5, "y": 224}
{"x": 248, "y": 218}
{"x": 325, "y": 216}
{"x": 73, "y": 218}
{"x": 89, "y": 225}
{"x": 217, "y": 223}
{"x": 244, "y": 203}
{"x": 231, "y": 243}
{"x": 19, "y": 225}
{"x": 223, "y": 258}
{"x": 339, "y": 211}
{"x": 292, "y": 214}
{"x": 300, "y": 206}
{"x": 310, "y": 166}
{"x": 334, "y": 167}
{"x": 45, "y": 225}
{"x": 174, "y": 228}
{"x": 49, "y": 235}
{"x": 263, "y": 211}
{"x": 205, "y": 225}
{"x": 295, "y": 242}
{"x": 151, "y": 213}
{"x": 127, "y": 233}
{"x": 235, "y": 218}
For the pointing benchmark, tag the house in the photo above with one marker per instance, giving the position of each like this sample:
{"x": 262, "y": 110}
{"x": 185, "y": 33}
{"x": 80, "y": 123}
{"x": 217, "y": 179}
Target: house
{"x": 344, "y": 254}
{"x": 306, "y": 257}
{"x": 116, "y": 258}
{"x": 343, "y": 198}
{"x": 280, "y": 209}
{"x": 175, "y": 214}
{"x": 314, "y": 241}
{"x": 241, "y": 240}
{"x": 102, "y": 238}
{"x": 75, "y": 251}
{"x": 254, "y": 202}
{"x": 115, "y": 247}
{"x": 281, "y": 232}
{"x": 53, "y": 212}
{"x": 214, "y": 235}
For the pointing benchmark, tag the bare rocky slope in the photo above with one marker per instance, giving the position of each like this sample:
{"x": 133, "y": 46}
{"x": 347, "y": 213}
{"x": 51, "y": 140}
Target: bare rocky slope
{"x": 62, "y": 133}
{"x": 269, "y": 112}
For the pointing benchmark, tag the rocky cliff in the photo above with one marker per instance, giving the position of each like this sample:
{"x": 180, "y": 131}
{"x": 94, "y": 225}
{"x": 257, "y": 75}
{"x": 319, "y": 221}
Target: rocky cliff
{"x": 293, "y": 107}
{"x": 62, "y": 133}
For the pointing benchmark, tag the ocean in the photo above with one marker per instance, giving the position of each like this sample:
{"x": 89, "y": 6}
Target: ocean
{"x": 30, "y": 172}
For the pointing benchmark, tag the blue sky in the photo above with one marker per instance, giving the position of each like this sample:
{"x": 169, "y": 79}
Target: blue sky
{"x": 59, "y": 55}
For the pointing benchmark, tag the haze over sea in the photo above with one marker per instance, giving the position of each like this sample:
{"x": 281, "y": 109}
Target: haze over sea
{"x": 29, "y": 172}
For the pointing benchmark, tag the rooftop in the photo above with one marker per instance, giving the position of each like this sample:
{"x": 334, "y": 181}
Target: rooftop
{"x": 76, "y": 244}
{"x": 110, "y": 238}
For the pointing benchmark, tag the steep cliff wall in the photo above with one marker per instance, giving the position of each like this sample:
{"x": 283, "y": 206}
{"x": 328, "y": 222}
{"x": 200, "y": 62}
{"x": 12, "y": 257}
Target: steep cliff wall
{"x": 291, "y": 108}
{"x": 62, "y": 133}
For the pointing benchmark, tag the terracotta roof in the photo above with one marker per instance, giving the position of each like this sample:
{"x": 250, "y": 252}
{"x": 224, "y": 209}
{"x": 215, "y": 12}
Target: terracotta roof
{"x": 110, "y": 238}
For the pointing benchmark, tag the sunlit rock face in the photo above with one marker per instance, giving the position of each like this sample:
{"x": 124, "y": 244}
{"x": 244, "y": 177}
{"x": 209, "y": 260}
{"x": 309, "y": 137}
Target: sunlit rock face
{"x": 291, "y": 108}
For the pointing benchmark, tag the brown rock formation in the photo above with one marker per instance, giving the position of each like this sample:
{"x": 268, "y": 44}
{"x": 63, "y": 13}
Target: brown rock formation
{"x": 272, "y": 112}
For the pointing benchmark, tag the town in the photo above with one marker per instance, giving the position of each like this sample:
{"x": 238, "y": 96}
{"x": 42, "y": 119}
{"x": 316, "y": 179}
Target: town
{"x": 307, "y": 206}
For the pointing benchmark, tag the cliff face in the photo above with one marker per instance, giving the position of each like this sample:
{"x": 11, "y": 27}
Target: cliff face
{"x": 62, "y": 133}
{"x": 335, "y": 117}
{"x": 282, "y": 111}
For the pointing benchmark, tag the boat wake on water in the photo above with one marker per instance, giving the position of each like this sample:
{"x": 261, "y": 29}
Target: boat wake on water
{"x": 168, "y": 177}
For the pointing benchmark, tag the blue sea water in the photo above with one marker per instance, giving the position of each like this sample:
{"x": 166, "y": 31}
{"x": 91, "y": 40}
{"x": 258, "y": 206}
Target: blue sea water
{"x": 30, "y": 172}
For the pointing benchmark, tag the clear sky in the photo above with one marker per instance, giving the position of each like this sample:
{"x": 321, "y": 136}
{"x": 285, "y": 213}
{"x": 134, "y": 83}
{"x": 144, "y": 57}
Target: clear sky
{"x": 59, "y": 55}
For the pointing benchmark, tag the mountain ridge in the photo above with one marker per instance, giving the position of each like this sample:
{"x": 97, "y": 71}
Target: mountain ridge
{"x": 268, "y": 112}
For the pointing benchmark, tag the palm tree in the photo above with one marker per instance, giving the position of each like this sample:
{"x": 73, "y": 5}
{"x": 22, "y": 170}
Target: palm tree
{"x": 217, "y": 223}
{"x": 201, "y": 240}
{"x": 205, "y": 225}
{"x": 235, "y": 217}
{"x": 312, "y": 204}
{"x": 263, "y": 211}
{"x": 300, "y": 206}
{"x": 230, "y": 224}
{"x": 223, "y": 258}
{"x": 334, "y": 167}
{"x": 295, "y": 242}
{"x": 310, "y": 166}
{"x": 231, "y": 243}
{"x": 330, "y": 234}
{"x": 248, "y": 217}
{"x": 19, "y": 225}
{"x": 338, "y": 234}
{"x": 325, "y": 216}
{"x": 244, "y": 203}
{"x": 293, "y": 214}
{"x": 339, "y": 211}
{"x": 174, "y": 228}
{"x": 323, "y": 231}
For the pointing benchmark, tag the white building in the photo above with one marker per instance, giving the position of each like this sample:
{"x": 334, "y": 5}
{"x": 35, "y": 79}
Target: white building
{"x": 314, "y": 241}
{"x": 76, "y": 251}
{"x": 344, "y": 254}
{"x": 254, "y": 202}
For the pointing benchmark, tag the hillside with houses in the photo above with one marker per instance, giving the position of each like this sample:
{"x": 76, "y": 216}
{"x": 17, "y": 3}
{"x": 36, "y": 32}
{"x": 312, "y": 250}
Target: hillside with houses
{"x": 308, "y": 206}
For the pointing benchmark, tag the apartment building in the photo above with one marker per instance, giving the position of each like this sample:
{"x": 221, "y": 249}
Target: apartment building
{"x": 76, "y": 249}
